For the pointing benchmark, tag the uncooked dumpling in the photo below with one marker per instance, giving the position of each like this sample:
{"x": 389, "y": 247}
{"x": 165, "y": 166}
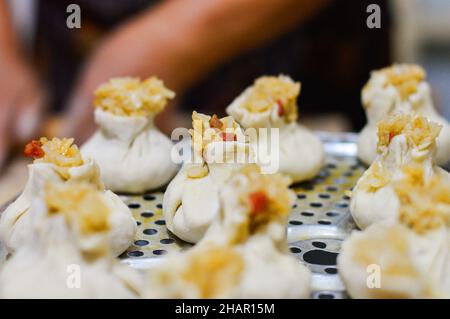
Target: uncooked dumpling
{"x": 399, "y": 88}
{"x": 133, "y": 155}
{"x": 191, "y": 200}
{"x": 244, "y": 253}
{"x": 272, "y": 103}
{"x": 408, "y": 257}
{"x": 59, "y": 160}
{"x": 404, "y": 140}
{"x": 68, "y": 253}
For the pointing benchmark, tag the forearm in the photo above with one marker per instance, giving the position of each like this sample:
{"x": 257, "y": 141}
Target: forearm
{"x": 181, "y": 40}
{"x": 212, "y": 31}
{"x": 9, "y": 47}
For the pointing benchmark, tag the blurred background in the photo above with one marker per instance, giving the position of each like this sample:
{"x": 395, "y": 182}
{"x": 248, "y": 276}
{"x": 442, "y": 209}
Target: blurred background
{"x": 207, "y": 51}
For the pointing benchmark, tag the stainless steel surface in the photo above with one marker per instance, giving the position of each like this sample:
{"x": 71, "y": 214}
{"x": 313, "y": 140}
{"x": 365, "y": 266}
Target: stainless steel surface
{"x": 320, "y": 219}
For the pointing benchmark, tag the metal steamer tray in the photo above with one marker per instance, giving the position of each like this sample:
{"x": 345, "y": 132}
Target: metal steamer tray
{"x": 319, "y": 221}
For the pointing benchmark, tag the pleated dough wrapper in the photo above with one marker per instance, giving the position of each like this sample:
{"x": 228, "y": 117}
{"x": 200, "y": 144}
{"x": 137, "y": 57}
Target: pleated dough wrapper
{"x": 272, "y": 103}
{"x": 191, "y": 200}
{"x": 404, "y": 258}
{"x": 133, "y": 155}
{"x": 244, "y": 253}
{"x": 409, "y": 265}
{"x": 16, "y": 220}
{"x": 412, "y": 141}
{"x": 60, "y": 260}
{"x": 399, "y": 88}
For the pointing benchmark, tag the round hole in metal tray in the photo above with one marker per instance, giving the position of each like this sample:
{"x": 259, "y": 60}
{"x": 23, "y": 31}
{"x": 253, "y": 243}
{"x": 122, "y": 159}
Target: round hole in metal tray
{"x": 167, "y": 241}
{"x": 340, "y": 180}
{"x": 324, "y": 196}
{"x": 324, "y": 173}
{"x": 149, "y": 231}
{"x": 135, "y": 253}
{"x": 331, "y": 166}
{"x": 342, "y": 205}
{"x": 331, "y": 270}
{"x": 307, "y": 214}
{"x": 159, "y": 252}
{"x": 325, "y": 296}
{"x": 149, "y": 197}
{"x": 141, "y": 242}
{"x": 306, "y": 185}
{"x": 320, "y": 257}
{"x": 147, "y": 214}
{"x": 134, "y": 205}
{"x": 316, "y": 205}
{"x": 160, "y": 222}
{"x": 332, "y": 214}
{"x": 319, "y": 244}
{"x": 324, "y": 222}
{"x": 316, "y": 259}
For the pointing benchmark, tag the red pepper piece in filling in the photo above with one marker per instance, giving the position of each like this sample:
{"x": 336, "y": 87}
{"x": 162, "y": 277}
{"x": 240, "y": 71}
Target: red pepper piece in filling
{"x": 214, "y": 122}
{"x": 258, "y": 202}
{"x": 391, "y": 136}
{"x": 280, "y": 108}
{"x": 228, "y": 137}
{"x": 34, "y": 150}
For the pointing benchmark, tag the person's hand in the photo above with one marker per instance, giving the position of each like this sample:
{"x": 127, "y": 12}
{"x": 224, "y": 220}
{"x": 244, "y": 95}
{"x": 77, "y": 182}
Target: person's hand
{"x": 21, "y": 104}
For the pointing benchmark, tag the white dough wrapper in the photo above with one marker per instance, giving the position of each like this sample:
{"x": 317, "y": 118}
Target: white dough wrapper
{"x": 382, "y": 100}
{"x": 16, "y": 221}
{"x": 300, "y": 153}
{"x": 373, "y": 197}
{"x": 133, "y": 155}
{"x": 244, "y": 253}
{"x": 190, "y": 203}
{"x": 407, "y": 256}
{"x": 389, "y": 260}
{"x": 51, "y": 264}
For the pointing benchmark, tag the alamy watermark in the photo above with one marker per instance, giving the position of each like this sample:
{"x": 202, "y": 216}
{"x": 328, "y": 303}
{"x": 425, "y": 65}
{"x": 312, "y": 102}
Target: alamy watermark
{"x": 73, "y": 280}
{"x": 73, "y": 20}
{"x": 373, "y": 21}
{"x": 373, "y": 280}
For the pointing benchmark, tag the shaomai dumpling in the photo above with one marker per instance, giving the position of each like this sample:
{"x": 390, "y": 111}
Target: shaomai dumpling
{"x": 59, "y": 160}
{"x": 68, "y": 253}
{"x": 399, "y": 88}
{"x": 244, "y": 253}
{"x": 133, "y": 155}
{"x": 191, "y": 200}
{"x": 408, "y": 257}
{"x": 403, "y": 140}
{"x": 271, "y": 102}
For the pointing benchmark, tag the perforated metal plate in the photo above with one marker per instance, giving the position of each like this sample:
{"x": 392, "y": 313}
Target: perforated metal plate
{"x": 320, "y": 219}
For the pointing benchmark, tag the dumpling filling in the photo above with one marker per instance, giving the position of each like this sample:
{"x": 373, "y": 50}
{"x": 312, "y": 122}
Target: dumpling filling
{"x": 268, "y": 91}
{"x": 132, "y": 97}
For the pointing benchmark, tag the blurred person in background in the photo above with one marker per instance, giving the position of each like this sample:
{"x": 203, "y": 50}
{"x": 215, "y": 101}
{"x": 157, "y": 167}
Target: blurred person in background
{"x": 207, "y": 51}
